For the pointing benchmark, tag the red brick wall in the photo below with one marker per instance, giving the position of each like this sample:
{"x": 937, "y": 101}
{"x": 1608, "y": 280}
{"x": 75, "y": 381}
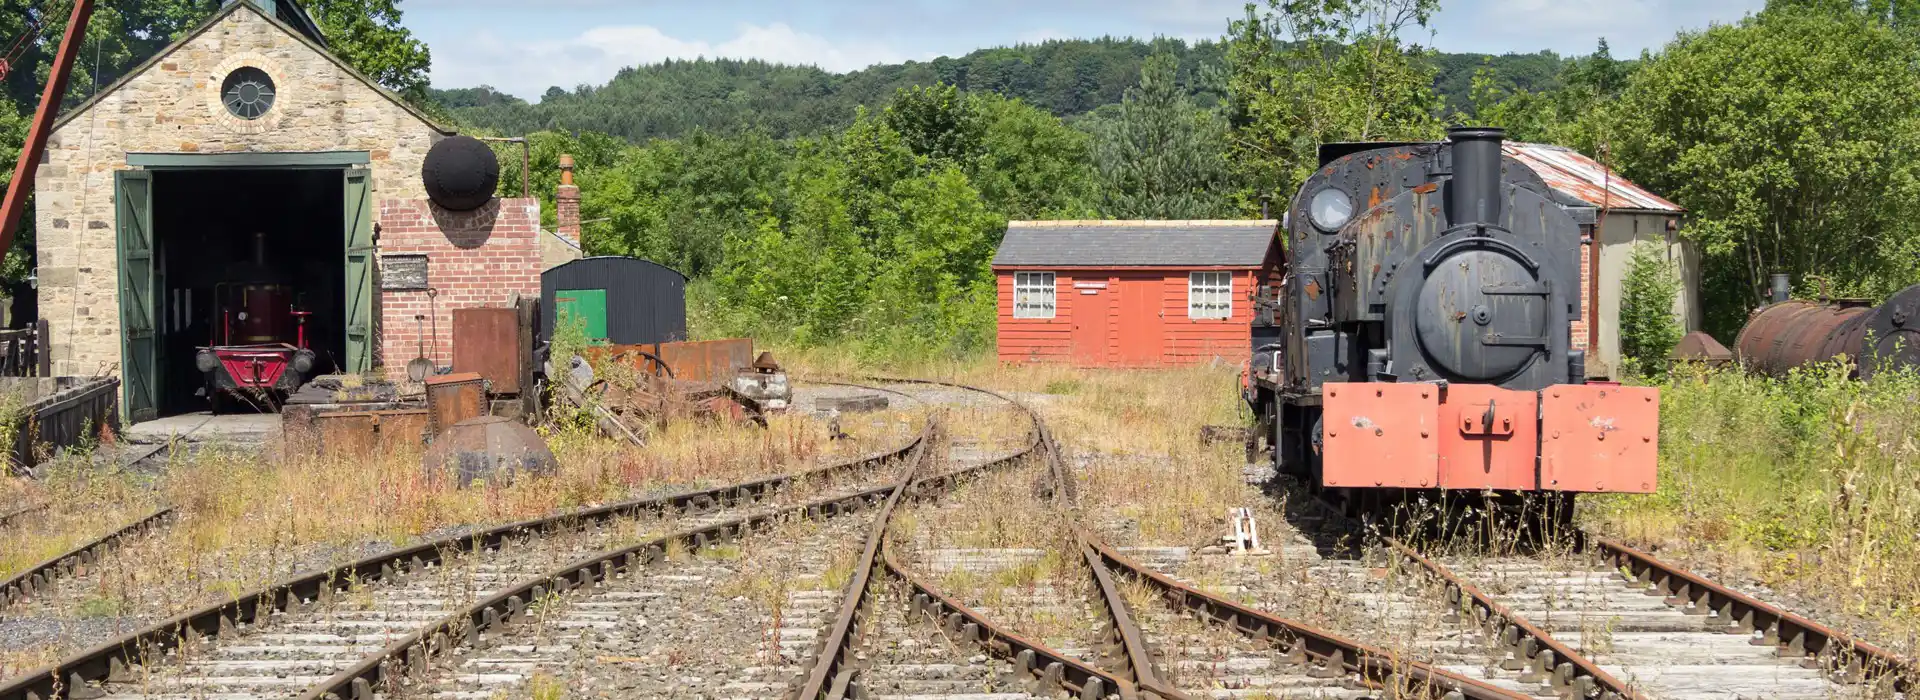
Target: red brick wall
{"x": 1586, "y": 305}
{"x": 479, "y": 258}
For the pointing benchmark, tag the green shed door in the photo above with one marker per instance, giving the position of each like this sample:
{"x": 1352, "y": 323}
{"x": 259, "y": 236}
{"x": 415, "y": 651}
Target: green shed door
{"x": 359, "y": 269}
{"x": 587, "y": 306}
{"x": 133, "y": 211}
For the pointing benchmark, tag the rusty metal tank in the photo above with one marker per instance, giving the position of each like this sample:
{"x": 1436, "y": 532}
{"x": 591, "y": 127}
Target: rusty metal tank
{"x": 1795, "y": 333}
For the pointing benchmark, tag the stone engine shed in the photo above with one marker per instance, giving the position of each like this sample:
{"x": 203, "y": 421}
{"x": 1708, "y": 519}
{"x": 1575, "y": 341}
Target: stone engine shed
{"x": 248, "y": 142}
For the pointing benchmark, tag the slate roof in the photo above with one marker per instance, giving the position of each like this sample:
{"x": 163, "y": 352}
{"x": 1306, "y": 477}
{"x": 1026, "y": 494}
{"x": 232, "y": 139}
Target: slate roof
{"x": 1101, "y": 243}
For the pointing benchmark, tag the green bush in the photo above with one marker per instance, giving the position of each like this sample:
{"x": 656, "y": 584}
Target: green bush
{"x": 1648, "y": 330}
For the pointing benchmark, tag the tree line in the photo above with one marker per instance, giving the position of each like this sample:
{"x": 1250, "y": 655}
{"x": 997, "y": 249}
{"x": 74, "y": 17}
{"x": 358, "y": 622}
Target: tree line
{"x": 822, "y": 207}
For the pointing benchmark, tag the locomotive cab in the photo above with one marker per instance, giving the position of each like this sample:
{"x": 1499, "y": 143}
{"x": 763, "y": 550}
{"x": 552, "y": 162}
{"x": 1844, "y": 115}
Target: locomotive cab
{"x": 1421, "y": 338}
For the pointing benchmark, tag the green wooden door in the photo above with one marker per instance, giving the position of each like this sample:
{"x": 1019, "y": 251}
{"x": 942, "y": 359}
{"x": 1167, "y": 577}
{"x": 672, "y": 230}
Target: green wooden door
{"x": 587, "y": 307}
{"x": 139, "y": 363}
{"x": 359, "y": 269}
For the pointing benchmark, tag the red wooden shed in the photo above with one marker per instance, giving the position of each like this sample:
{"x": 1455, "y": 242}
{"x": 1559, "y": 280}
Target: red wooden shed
{"x": 1132, "y": 293}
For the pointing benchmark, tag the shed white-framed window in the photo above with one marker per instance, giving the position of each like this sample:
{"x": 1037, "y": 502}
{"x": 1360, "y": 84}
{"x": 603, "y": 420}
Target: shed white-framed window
{"x": 1210, "y": 295}
{"x": 1033, "y": 295}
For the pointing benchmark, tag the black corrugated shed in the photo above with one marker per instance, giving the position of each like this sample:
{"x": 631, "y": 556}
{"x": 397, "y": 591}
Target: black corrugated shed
{"x": 646, "y": 301}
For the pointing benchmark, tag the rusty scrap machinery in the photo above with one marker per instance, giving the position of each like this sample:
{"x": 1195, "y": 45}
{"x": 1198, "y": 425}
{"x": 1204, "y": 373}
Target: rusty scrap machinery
{"x": 1421, "y": 337}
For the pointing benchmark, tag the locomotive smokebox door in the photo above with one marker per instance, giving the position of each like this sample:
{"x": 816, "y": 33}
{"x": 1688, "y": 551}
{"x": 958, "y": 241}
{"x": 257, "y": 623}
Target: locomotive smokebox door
{"x": 1482, "y": 312}
{"x": 1381, "y": 435}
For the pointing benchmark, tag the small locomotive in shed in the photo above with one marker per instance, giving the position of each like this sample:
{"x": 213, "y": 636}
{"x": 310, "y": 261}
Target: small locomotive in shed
{"x": 1420, "y": 339}
{"x": 258, "y": 354}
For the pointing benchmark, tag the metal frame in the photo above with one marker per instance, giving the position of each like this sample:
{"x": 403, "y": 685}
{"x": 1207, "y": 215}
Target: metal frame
{"x": 269, "y": 160}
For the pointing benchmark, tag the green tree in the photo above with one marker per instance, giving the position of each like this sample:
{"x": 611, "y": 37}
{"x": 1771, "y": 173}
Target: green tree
{"x": 938, "y": 123}
{"x": 1161, "y": 157}
{"x": 1308, "y": 72}
{"x": 368, "y": 34}
{"x": 1648, "y": 330}
{"x": 1031, "y": 165}
{"x": 1793, "y": 138}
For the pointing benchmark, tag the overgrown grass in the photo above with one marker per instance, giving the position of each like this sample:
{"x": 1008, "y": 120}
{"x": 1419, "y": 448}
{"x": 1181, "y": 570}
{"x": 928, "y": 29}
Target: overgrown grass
{"x": 1810, "y": 483}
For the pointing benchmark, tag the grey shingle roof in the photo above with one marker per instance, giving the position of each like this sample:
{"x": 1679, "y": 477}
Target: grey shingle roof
{"x": 1137, "y": 243}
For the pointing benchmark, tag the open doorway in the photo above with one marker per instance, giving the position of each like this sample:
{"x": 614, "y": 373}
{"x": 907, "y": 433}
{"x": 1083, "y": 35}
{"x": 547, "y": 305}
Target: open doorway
{"x": 221, "y": 234}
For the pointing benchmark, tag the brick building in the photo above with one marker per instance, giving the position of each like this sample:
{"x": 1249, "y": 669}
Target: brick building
{"x": 248, "y": 142}
{"x": 1131, "y": 293}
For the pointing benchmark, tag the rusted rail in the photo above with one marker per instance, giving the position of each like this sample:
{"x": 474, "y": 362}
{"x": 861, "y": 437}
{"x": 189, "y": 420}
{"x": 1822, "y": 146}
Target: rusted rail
{"x": 1549, "y": 662}
{"x": 98, "y": 663}
{"x": 17, "y": 514}
{"x": 414, "y": 652}
{"x": 39, "y": 576}
{"x": 1047, "y": 666}
{"x": 1304, "y": 643}
{"x": 1848, "y": 660}
{"x": 830, "y": 673}
{"x": 1122, "y": 630}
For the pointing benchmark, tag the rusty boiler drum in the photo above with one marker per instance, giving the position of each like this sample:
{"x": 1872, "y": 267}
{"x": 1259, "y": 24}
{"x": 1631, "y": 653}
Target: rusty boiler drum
{"x": 1797, "y": 333}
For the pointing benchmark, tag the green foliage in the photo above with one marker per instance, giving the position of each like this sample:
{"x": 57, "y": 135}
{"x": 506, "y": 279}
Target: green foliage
{"x": 1308, "y": 72}
{"x": 1648, "y": 329}
{"x": 1793, "y": 137}
{"x": 368, "y": 34}
{"x": 1811, "y": 475}
{"x": 1161, "y": 157}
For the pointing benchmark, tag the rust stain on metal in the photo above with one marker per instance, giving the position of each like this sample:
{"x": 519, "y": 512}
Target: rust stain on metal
{"x": 1313, "y": 289}
{"x": 1373, "y": 199}
{"x": 486, "y": 341}
{"x": 453, "y": 398}
{"x": 1428, "y": 188}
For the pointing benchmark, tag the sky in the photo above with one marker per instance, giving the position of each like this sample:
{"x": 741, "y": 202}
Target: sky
{"x": 525, "y": 46}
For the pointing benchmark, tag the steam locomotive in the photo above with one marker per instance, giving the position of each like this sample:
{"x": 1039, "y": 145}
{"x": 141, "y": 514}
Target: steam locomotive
{"x": 258, "y": 354}
{"x": 1419, "y": 339}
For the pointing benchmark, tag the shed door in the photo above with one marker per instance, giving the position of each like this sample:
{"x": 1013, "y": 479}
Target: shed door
{"x": 1142, "y": 335}
{"x": 587, "y": 307}
{"x": 359, "y": 269}
{"x": 1091, "y": 308}
{"x": 133, "y": 211}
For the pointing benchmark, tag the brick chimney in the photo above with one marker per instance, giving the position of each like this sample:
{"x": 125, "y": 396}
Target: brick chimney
{"x": 566, "y": 202}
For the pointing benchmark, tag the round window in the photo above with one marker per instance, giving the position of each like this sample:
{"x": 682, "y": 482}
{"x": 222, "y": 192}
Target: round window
{"x": 247, "y": 92}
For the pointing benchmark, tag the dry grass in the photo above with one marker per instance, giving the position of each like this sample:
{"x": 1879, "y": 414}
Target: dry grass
{"x": 247, "y": 520}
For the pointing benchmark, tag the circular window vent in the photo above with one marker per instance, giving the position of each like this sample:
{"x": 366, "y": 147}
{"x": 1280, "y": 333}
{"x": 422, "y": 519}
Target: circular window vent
{"x": 247, "y": 92}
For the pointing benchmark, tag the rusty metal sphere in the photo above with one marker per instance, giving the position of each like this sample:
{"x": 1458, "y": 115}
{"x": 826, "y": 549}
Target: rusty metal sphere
{"x": 460, "y": 173}
{"x": 491, "y": 448}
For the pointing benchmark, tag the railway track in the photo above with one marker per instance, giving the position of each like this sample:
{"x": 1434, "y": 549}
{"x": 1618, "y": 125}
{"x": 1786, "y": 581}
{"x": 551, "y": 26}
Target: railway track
{"x": 377, "y": 598}
{"x": 649, "y": 599}
{"x": 43, "y": 579}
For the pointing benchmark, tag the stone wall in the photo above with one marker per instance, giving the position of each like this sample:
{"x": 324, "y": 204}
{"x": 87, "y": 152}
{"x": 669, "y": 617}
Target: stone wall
{"x": 173, "y": 106}
{"x": 485, "y": 257}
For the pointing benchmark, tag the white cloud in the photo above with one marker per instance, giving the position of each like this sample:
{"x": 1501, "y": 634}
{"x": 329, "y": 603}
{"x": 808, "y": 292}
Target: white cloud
{"x": 527, "y": 68}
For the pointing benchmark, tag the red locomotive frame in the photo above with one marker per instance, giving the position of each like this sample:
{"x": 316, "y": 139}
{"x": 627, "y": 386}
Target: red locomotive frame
{"x": 261, "y": 365}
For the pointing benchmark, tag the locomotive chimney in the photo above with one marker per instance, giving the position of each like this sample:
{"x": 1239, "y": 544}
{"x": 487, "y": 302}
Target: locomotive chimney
{"x": 1473, "y": 197}
{"x": 1781, "y": 289}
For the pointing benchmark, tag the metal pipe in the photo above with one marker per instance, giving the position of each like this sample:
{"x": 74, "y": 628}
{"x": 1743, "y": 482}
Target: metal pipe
{"x": 15, "y": 205}
{"x": 526, "y": 161}
{"x": 1473, "y": 195}
{"x": 1782, "y": 289}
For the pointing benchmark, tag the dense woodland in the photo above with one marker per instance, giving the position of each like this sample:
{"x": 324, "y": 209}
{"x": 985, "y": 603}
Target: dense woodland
{"x": 862, "y": 208}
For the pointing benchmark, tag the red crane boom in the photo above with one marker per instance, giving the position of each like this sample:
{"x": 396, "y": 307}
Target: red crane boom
{"x": 16, "y": 202}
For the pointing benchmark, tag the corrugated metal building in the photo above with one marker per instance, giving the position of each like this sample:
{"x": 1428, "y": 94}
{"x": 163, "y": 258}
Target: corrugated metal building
{"x": 620, "y": 300}
{"x": 1131, "y": 293}
{"x": 1625, "y": 214}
